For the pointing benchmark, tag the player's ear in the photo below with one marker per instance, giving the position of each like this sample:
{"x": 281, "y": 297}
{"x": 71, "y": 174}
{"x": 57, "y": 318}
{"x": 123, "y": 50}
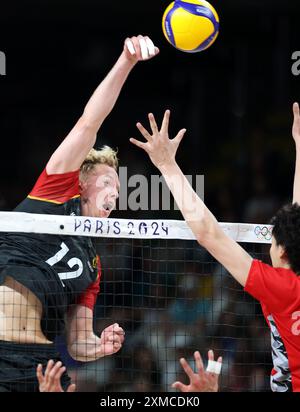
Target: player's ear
{"x": 82, "y": 185}
{"x": 282, "y": 253}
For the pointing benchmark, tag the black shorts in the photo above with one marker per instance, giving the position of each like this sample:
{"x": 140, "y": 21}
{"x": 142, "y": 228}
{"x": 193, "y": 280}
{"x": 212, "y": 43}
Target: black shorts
{"x": 18, "y": 363}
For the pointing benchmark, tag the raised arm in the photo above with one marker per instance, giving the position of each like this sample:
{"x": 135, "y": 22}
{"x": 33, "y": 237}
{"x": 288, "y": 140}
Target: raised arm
{"x": 296, "y": 136}
{"x": 202, "y": 222}
{"x": 73, "y": 150}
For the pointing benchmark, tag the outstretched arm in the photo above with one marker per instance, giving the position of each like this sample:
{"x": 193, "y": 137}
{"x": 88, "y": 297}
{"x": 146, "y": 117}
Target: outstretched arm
{"x": 202, "y": 222}
{"x": 296, "y": 136}
{"x": 73, "y": 150}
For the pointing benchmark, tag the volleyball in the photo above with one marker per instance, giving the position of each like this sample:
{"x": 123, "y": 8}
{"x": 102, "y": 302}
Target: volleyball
{"x": 190, "y": 26}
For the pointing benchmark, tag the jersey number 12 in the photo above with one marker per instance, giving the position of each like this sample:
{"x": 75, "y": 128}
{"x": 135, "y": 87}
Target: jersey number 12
{"x": 71, "y": 263}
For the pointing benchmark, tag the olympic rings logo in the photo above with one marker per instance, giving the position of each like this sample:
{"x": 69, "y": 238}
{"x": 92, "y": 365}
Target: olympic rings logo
{"x": 263, "y": 232}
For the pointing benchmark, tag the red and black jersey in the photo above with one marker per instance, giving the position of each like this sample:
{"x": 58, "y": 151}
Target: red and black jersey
{"x": 278, "y": 291}
{"x": 59, "y": 270}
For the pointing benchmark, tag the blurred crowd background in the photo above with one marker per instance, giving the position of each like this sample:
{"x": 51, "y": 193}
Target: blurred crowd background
{"x": 235, "y": 100}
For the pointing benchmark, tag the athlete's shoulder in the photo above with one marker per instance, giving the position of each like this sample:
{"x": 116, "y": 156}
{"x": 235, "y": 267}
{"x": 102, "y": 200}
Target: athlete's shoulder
{"x": 259, "y": 268}
{"x": 278, "y": 288}
{"x": 56, "y": 188}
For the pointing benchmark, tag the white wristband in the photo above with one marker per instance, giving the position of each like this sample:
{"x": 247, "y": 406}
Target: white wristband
{"x": 214, "y": 367}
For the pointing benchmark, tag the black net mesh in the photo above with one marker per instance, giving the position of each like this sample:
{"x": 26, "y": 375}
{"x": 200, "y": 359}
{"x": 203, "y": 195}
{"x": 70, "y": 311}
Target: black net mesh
{"x": 172, "y": 298}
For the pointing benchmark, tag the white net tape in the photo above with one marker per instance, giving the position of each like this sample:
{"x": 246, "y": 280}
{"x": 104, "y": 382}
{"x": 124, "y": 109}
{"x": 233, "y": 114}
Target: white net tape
{"x": 124, "y": 228}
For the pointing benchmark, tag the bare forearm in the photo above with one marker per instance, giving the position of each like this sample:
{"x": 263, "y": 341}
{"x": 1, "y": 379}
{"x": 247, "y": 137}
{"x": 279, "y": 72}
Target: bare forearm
{"x": 75, "y": 147}
{"x": 86, "y": 350}
{"x": 105, "y": 96}
{"x": 209, "y": 234}
{"x": 82, "y": 342}
{"x": 296, "y": 191}
{"x": 72, "y": 152}
{"x": 196, "y": 214}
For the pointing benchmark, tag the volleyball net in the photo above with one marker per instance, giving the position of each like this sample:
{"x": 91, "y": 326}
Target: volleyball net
{"x": 171, "y": 298}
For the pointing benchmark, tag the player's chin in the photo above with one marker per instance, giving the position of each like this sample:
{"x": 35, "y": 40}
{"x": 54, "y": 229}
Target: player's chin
{"x": 103, "y": 213}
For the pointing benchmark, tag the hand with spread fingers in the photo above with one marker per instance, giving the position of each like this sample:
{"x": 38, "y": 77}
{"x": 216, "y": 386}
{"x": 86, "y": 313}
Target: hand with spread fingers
{"x": 139, "y": 48}
{"x": 50, "y": 380}
{"x": 160, "y": 148}
{"x": 203, "y": 380}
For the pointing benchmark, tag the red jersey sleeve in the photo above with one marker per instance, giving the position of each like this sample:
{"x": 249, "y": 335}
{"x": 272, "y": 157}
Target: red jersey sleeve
{"x": 276, "y": 288}
{"x": 58, "y": 188}
{"x": 89, "y": 296}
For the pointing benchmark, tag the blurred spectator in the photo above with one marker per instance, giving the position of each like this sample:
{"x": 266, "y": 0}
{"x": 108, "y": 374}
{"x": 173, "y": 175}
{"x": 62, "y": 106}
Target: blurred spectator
{"x": 262, "y": 205}
{"x": 192, "y": 301}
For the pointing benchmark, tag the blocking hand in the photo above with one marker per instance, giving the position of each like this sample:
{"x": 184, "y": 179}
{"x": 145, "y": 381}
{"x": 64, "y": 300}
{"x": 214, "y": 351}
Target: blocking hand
{"x": 202, "y": 381}
{"x": 159, "y": 147}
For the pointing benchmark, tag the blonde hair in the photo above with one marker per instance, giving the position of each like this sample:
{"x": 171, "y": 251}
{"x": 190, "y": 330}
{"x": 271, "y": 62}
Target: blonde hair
{"x": 105, "y": 156}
